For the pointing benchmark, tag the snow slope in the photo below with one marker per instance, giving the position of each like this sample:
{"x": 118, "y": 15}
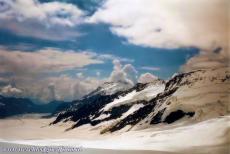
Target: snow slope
{"x": 146, "y": 94}
{"x": 210, "y": 136}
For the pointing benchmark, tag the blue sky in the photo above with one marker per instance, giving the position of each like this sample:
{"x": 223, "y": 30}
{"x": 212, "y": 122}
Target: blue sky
{"x": 101, "y": 32}
{"x": 98, "y": 38}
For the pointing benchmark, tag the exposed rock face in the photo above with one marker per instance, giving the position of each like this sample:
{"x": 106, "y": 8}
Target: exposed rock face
{"x": 196, "y": 96}
{"x": 176, "y": 115}
{"x": 90, "y": 107}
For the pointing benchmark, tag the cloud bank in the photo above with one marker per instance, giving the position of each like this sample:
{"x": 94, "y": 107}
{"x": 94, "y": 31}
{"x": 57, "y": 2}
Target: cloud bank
{"x": 167, "y": 23}
{"x": 9, "y": 90}
{"x": 207, "y": 60}
{"x": 39, "y": 75}
{"x": 50, "y": 20}
{"x": 202, "y": 24}
{"x": 48, "y": 60}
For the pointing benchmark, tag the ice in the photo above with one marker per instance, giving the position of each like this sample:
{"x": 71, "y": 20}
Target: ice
{"x": 175, "y": 138}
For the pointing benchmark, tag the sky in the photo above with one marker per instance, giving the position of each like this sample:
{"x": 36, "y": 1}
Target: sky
{"x": 63, "y": 49}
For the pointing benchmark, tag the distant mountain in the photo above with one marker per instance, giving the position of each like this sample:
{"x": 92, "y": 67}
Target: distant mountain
{"x": 193, "y": 96}
{"x": 10, "y": 106}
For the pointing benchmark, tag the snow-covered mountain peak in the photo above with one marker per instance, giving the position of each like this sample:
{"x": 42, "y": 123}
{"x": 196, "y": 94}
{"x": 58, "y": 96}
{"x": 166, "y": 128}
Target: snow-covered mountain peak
{"x": 110, "y": 88}
{"x": 197, "y": 96}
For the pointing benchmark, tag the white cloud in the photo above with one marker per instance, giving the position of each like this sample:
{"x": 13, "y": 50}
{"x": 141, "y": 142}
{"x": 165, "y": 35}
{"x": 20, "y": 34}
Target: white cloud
{"x": 48, "y": 88}
{"x": 113, "y": 57}
{"x": 82, "y": 87}
{"x": 70, "y": 88}
{"x": 126, "y": 73}
{"x": 172, "y": 24}
{"x": 167, "y": 23}
{"x": 40, "y": 75}
{"x": 47, "y": 60}
{"x": 34, "y": 75}
{"x": 147, "y": 77}
{"x": 9, "y": 90}
{"x": 37, "y": 74}
{"x": 150, "y": 68}
{"x": 51, "y": 20}
{"x": 51, "y": 12}
{"x": 207, "y": 60}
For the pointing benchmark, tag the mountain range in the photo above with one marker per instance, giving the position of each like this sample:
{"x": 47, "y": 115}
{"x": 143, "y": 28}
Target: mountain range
{"x": 13, "y": 106}
{"x": 117, "y": 106}
{"x": 190, "y": 97}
